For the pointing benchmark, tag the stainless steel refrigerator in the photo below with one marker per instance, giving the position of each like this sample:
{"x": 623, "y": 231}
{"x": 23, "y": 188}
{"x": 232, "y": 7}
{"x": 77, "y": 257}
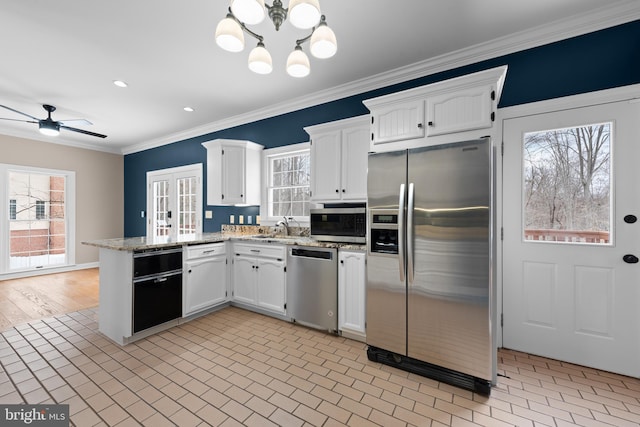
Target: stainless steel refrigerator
{"x": 430, "y": 267}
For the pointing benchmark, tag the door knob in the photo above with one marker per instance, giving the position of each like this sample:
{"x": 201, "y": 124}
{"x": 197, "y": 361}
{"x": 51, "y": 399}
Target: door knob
{"x": 630, "y": 259}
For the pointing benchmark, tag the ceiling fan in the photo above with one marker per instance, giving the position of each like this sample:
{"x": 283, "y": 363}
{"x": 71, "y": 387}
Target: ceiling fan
{"x": 52, "y": 127}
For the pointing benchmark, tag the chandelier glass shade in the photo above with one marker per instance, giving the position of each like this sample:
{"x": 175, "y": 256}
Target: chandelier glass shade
{"x": 260, "y": 60}
{"x": 298, "y": 63}
{"x": 250, "y": 12}
{"x": 229, "y": 35}
{"x": 303, "y": 14}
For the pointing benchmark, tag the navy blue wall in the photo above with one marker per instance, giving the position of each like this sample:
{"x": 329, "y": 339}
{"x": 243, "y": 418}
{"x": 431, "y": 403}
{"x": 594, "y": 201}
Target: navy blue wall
{"x": 600, "y": 60}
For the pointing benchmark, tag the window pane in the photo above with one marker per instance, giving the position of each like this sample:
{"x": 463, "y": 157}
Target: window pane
{"x": 288, "y": 193}
{"x": 567, "y": 185}
{"x": 37, "y": 223}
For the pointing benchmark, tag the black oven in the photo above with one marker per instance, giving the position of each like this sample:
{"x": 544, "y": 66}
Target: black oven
{"x": 157, "y": 287}
{"x": 347, "y": 225}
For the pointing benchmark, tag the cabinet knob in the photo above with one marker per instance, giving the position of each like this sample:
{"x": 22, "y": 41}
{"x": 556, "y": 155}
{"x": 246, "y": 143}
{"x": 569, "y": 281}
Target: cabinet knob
{"x": 420, "y": 125}
{"x": 341, "y": 261}
{"x": 430, "y": 123}
{"x": 337, "y": 191}
{"x": 344, "y": 191}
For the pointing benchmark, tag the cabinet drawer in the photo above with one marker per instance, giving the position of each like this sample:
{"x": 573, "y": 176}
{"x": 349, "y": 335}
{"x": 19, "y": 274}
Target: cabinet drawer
{"x": 208, "y": 249}
{"x": 266, "y": 251}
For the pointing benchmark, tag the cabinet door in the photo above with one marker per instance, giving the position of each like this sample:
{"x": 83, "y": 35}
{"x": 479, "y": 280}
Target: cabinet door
{"x": 351, "y": 291}
{"x": 325, "y": 167}
{"x": 244, "y": 279}
{"x": 398, "y": 122}
{"x": 271, "y": 285}
{"x": 459, "y": 111}
{"x": 355, "y": 146}
{"x": 205, "y": 283}
{"x": 233, "y": 174}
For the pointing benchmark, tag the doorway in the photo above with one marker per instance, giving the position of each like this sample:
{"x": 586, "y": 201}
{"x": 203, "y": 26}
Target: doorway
{"x": 570, "y": 279}
{"x": 174, "y": 202}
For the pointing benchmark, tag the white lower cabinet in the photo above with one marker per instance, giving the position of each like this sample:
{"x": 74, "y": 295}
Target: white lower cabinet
{"x": 204, "y": 277}
{"x": 259, "y": 276}
{"x": 351, "y": 293}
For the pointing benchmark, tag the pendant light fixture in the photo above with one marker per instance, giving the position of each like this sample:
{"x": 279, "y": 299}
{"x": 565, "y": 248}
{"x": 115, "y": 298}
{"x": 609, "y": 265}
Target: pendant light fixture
{"x": 303, "y": 14}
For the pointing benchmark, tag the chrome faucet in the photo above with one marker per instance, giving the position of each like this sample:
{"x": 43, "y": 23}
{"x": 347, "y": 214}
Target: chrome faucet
{"x": 285, "y": 224}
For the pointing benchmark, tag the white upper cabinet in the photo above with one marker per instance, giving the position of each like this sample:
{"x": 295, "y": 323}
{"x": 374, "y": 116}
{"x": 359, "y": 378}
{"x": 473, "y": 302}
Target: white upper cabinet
{"x": 398, "y": 121}
{"x": 233, "y": 172}
{"x": 339, "y": 160}
{"x": 460, "y": 111}
{"x": 443, "y": 112}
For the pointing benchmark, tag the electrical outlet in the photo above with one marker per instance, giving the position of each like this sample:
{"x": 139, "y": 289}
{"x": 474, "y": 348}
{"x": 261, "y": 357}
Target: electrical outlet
{"x": 258, "y": 219}
{"x": 208, "y": 214}
{"x": 232, "y": 219}
{"x": 240, "y": 219}
{"x": 249, "y": 218}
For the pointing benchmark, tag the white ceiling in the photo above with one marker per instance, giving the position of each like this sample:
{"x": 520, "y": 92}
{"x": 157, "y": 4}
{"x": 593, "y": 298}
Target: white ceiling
{"x": 68, "y": 52}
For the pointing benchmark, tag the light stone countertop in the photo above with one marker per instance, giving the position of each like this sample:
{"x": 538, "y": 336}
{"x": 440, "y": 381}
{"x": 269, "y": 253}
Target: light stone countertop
{"x": 252, "y": 234}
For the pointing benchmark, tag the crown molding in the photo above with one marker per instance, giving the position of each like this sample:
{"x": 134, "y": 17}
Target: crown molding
{"x": 60, "y": 139}
{"x": 620, "y": 12}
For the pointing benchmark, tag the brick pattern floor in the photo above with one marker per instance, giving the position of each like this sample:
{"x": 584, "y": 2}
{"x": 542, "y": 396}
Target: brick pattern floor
{"x": 235, "y": 367}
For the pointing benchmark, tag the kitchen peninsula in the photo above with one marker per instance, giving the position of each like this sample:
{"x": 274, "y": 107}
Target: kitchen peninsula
{"x": 148, "y": 285}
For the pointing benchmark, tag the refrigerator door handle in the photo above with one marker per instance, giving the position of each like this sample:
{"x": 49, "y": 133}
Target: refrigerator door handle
{"x": 409, "y": 233}
{"x": 401, "y": 230}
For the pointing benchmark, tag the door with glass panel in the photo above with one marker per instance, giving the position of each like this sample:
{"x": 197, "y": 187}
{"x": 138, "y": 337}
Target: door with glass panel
{"x": 38, "y": 220}
{"x": 174, "y": 202}
{"x": 571, "y": 287}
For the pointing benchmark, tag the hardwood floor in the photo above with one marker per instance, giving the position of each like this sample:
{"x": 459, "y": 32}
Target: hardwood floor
{"x": 33, "y": 298}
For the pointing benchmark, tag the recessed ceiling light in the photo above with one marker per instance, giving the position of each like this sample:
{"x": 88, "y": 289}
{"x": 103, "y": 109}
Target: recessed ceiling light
{"x": 120, "y": 83}
{"x": 188, "y": 109}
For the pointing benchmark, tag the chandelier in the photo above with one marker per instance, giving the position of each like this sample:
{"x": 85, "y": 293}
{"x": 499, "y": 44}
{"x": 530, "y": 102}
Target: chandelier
{"x": 303, "y": 14}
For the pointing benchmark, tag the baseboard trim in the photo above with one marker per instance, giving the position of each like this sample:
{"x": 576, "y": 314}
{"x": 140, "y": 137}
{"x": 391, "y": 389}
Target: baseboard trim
{"x": 51, "y": 270}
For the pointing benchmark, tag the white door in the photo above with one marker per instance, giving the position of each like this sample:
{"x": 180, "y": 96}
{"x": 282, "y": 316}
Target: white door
{"x": 570, "y": 289}
{"x": 174, "y": 202}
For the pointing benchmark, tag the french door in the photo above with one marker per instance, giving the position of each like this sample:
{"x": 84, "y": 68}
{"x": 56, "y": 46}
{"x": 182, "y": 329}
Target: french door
{"x": 571, "y": 281}
{"x": 38, "y": 214}
{"x": 174, "y": 202}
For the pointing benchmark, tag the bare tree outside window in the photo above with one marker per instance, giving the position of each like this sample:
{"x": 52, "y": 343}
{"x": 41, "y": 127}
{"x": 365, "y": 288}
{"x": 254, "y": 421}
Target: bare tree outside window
{"x": 289, "y": 189}
{"x": 567, "y": 184}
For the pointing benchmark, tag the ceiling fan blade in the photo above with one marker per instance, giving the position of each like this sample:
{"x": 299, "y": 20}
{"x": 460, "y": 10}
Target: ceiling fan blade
{"x": 86, "y": 132}
{"x": 19, "y": 112}
{"x": 18, "y": 120}
{"x": 75, "y": 122}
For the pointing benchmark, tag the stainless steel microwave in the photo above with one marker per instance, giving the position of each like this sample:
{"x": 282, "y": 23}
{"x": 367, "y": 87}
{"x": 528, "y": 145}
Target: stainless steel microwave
{"x": 348, "y": 225}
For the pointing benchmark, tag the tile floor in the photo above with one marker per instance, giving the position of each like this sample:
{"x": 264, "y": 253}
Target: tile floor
{"x": 235, "y": 367}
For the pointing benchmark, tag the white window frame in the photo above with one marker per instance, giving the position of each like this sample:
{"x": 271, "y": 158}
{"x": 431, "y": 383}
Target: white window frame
{"x": 70, "y": 219}
{"x": 267, "y": 154}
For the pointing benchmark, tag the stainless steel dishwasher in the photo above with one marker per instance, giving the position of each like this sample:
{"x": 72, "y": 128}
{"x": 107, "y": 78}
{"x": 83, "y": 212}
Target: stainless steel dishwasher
{"x": 312, "y": 287}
